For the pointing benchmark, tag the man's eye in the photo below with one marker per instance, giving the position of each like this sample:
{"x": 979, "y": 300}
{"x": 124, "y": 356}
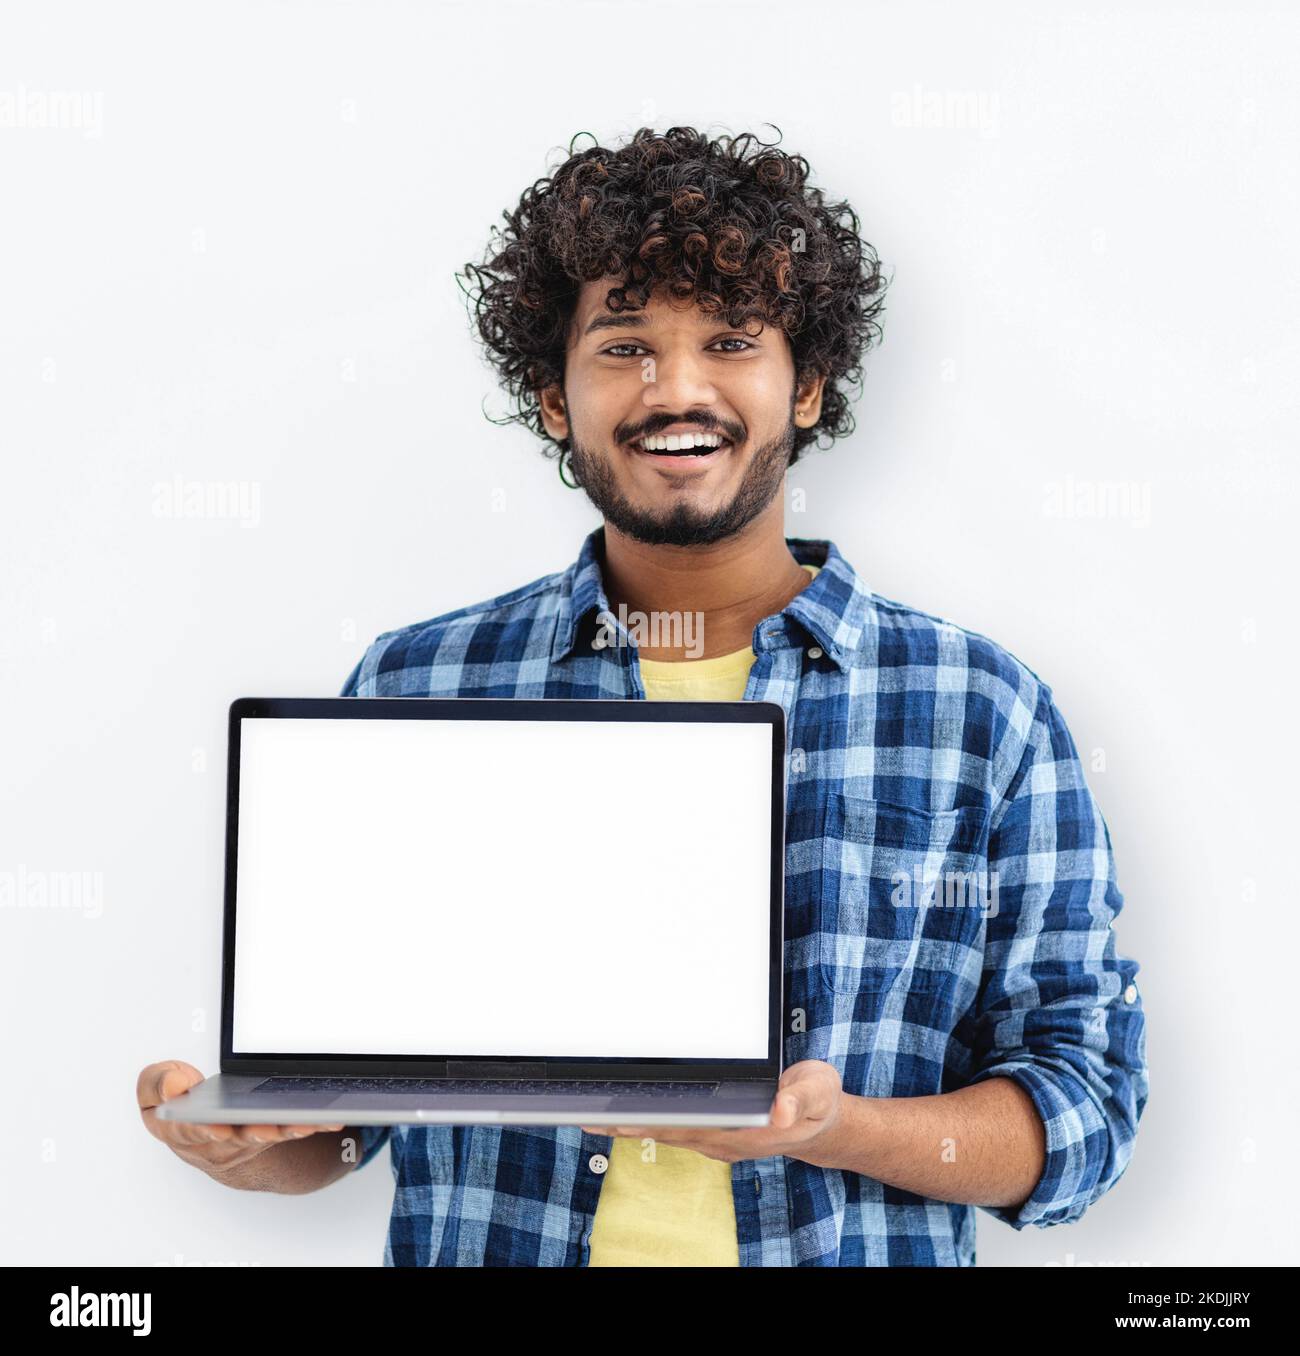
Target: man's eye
{"x": 734, "y": 340}
{"x": 614, "y": 353}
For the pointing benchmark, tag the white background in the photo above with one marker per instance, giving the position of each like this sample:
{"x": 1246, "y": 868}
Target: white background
{"x": 244, "y": 273}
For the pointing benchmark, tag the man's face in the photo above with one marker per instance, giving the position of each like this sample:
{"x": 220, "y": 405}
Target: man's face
{"x": 670, "y": 369}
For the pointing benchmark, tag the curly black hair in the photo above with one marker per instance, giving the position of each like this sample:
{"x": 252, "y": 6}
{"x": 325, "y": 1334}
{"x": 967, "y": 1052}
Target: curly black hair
{"x": 730, "y": 223}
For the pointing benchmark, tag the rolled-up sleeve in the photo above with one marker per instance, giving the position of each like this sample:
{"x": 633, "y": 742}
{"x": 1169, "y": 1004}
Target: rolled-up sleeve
{"x": 1058, "y": 1009}
{"x": 370, "y": 1138}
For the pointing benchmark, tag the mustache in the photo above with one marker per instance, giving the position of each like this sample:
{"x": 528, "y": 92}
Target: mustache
{"x": 654, "y": 426}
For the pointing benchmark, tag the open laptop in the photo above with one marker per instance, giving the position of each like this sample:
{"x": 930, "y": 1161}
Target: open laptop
{"x": 500, "y": 911}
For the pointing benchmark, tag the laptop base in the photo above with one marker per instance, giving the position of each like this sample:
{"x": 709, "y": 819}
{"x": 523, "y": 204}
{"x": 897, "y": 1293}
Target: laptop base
{"x": 227, "y": 1099}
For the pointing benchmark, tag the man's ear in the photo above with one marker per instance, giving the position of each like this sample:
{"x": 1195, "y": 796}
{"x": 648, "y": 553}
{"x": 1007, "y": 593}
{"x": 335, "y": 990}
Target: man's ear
{"x": 808, "y": 400}
{"x": 555, "y": 412}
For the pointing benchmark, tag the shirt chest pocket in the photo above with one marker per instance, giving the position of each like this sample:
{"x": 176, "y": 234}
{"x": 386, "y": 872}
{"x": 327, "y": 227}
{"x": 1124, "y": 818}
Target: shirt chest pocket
{"x": 900, "y": 894}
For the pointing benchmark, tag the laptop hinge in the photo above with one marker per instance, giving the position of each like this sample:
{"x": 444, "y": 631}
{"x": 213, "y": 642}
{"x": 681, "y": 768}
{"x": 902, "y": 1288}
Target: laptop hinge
{"x": 499, "y": 1068}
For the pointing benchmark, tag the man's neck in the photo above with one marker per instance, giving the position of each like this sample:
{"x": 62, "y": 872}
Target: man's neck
{"x": 733, "y": 584}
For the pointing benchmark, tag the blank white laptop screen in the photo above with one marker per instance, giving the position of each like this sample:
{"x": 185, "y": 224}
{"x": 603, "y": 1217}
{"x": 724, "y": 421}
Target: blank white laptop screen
{"x": 478, "y": 887}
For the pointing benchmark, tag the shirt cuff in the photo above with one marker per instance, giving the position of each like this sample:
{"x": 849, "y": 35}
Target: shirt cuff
{"x": 1078, "y": 1145}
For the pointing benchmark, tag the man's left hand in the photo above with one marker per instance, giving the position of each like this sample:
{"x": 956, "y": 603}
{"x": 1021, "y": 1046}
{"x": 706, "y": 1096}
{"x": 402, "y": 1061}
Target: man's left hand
{"x": 805, "y": 1111}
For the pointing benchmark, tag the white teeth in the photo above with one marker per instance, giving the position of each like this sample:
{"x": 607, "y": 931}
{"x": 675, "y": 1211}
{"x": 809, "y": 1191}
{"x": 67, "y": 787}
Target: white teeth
{"x": 682, "y": 442}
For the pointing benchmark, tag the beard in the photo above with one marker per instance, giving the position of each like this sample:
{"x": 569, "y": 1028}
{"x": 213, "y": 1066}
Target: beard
{"x": 684, "y": 524}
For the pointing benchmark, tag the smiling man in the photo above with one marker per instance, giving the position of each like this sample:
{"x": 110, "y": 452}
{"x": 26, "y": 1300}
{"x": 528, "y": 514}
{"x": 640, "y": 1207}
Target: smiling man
{"x": 680, "y": 317}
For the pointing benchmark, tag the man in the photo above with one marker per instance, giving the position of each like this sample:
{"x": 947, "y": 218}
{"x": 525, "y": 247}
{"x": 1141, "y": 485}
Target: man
{"x": 680, "y": 317}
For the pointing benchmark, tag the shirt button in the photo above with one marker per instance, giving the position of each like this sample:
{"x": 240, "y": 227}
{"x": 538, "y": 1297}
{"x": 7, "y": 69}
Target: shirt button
{"x": 1130, "y": 993}
{"x": 598, "y": 1163}
{"x": 815, "y": 652}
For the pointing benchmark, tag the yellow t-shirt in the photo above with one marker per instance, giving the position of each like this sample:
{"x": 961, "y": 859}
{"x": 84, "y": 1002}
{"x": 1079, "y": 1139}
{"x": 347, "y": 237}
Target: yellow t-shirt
{"x": 662, "y": 1206}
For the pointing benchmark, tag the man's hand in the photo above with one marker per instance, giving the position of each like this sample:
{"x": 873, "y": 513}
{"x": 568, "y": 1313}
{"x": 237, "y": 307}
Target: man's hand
{"x": 804, "y": 1113}
{"x": 214, "y": 1148}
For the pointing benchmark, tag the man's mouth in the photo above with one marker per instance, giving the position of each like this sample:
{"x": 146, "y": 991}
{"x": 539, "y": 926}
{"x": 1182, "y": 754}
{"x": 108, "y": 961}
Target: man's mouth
{"x": 682, "y": 448}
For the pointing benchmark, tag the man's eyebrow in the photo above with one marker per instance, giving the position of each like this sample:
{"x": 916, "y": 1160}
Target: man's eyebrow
{"x": 627, "y": 320}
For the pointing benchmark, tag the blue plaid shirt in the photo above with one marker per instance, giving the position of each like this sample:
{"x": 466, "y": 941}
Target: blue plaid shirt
{"x": 918, "y": 753}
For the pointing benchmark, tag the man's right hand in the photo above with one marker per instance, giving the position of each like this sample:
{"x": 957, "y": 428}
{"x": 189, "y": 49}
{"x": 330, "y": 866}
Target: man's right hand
{"x": 214, "y": 1148}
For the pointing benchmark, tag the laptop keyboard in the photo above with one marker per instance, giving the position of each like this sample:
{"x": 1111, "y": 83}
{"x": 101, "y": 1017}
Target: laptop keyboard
{"x": 474, "y": 1087}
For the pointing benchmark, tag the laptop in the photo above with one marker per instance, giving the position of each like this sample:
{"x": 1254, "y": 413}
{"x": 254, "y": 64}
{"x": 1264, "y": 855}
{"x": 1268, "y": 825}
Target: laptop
{"x": 471, "y": 911}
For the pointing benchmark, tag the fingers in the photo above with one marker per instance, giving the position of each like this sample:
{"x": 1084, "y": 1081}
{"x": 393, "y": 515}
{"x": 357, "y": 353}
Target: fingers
{"x": 182, "y": 1133}
{"x": 245, "y": 1136}
{"x": 809, "y": 1090}
{"x": 266, "y": 1135}
{"x": 159, "y": 1082}
{"x": 679, "y": 1135}
{"x": 786, "y": 1110}
{"x": 163, "y": 1081}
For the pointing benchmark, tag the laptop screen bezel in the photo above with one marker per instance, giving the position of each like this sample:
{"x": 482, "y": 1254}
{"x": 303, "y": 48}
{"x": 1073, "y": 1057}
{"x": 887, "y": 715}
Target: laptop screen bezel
{"x": 505, "y": 1064}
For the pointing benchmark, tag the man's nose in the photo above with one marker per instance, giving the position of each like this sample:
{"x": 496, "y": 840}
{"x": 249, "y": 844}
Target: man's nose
{"x": 679, "y": 381}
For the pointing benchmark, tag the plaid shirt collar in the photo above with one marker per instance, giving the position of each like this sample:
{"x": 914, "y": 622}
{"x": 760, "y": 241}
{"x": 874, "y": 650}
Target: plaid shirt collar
{"x": 835, "y": 609}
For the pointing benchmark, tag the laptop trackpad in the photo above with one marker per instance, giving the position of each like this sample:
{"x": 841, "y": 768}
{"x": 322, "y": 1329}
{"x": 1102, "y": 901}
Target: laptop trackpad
{"x": 290, "y": 1101}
